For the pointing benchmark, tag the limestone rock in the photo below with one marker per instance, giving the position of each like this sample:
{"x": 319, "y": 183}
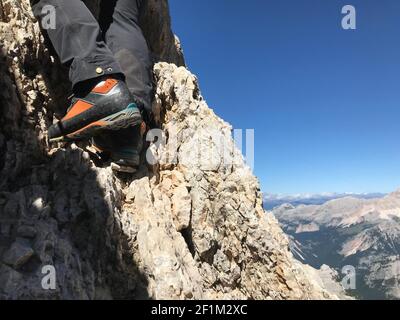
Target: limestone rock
{"x": 18, "y": 255}
{"x": 188, "y": 226}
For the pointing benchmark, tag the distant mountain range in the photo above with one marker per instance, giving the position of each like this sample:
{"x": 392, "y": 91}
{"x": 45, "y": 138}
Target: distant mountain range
{"x": 364, "y": 233}
{"x": 274, "y": 200}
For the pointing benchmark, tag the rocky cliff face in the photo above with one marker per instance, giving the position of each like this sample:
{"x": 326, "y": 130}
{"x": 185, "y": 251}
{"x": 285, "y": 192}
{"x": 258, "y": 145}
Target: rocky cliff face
{"x": 181, "y": 228}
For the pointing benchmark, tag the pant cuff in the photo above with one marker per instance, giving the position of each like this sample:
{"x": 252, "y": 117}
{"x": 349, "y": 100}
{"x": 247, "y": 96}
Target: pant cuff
{"x": 91, "y": 68}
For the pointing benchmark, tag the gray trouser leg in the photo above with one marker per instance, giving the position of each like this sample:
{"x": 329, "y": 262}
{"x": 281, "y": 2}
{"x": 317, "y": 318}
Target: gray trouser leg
{"x": 125, "y": 39}
{"x": 80, "y": 44}
{"x": 78, "y": 40}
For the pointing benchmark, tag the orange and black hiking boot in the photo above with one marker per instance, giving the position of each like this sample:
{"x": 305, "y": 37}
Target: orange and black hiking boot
{"x": 108, "y": 106}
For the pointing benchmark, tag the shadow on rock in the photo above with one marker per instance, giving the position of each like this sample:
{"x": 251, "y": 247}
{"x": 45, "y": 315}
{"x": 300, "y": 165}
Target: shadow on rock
{"x": 57, "y": 210}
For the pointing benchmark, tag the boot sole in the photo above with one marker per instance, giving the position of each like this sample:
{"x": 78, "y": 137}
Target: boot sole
{"x": 117, "y": 121}
{"x": 123, "y": 168}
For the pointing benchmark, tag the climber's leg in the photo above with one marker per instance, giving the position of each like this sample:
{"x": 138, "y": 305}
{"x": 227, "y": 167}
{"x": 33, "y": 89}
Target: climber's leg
{"x": 77, "y": 40}
{"x": 119, "y": 20}
{"x": 103, "y": 101}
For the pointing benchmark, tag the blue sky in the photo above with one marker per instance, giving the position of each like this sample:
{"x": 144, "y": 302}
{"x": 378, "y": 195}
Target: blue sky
{"x": 324, "y": 102}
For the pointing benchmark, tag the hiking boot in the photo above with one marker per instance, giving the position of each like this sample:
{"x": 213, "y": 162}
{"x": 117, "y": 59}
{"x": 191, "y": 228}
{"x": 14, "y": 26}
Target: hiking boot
{"x": 109, "y": 106}
{"x": 122, "y": 147}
